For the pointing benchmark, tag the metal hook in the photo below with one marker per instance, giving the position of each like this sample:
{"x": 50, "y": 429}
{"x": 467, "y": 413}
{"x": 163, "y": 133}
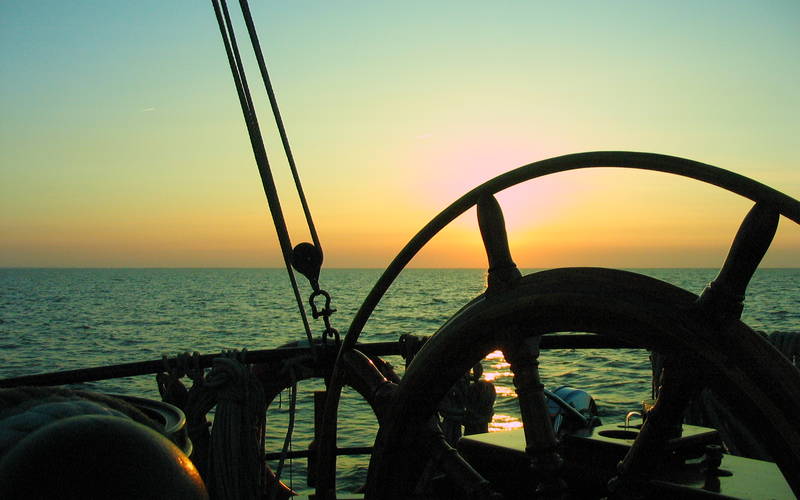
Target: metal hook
{"x": 327, "y": 310}
{"x": 628, "y": 417}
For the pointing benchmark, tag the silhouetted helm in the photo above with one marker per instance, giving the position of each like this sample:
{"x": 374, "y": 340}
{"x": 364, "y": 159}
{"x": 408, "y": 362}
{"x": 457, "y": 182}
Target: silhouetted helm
{"x": 98, "y": 456}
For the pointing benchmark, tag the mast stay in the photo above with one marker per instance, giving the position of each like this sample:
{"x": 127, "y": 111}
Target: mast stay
{"x": 306, "y": 258}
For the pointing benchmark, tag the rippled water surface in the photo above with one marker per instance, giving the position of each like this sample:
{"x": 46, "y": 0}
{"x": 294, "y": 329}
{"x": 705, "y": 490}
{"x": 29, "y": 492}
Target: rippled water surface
{"x": 56, "y": 319}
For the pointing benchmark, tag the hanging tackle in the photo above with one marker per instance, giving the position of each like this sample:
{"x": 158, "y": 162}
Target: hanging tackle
{"x": 306, "y": 258}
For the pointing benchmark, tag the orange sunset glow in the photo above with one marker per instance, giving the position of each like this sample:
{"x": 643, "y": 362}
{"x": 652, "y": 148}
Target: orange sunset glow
{"x": 123, "y": 145}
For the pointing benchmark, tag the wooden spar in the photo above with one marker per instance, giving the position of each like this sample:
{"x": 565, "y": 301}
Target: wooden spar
{"x": 82, "y": 375}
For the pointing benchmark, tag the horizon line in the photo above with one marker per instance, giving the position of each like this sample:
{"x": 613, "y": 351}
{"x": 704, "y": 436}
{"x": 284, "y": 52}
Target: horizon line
{"x": 360, "y": 268}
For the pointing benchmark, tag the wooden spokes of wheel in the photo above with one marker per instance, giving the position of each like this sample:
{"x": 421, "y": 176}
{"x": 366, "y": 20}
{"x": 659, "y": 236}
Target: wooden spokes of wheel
{"x": 627, "y": 306}
{"x": 702, "y": 340}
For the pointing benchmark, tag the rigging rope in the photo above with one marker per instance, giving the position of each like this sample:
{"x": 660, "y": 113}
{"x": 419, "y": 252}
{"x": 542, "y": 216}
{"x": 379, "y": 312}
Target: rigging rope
{"x": 259, "y": 151}
{"x": 287, "y": 442}
{"x": 307, "y": 261}
{"x": 273, "y": 101}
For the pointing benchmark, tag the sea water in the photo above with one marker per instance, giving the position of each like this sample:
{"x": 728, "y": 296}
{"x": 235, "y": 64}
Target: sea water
{"x": 59, "y": 319}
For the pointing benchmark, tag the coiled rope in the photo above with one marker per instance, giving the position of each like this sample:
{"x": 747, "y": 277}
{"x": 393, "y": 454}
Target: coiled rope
{"x": 230, "y": 458}
{"x": 237, "y": 435}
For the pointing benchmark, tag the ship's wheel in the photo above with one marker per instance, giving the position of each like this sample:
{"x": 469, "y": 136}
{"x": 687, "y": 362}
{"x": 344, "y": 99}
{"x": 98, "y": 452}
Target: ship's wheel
{"x": 702, "y": 339}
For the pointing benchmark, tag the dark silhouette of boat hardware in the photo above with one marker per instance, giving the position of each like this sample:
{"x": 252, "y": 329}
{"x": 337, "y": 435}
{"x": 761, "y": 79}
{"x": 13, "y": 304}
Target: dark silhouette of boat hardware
{"x": 723, "y": 423}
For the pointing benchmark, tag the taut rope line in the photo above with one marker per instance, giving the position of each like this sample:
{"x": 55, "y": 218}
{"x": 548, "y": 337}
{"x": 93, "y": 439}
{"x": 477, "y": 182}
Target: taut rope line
{"x": 273, "y": 101}
{"x": 259, "y": 151}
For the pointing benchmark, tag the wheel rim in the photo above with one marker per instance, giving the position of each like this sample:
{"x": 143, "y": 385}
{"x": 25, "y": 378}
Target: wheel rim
{"x": 631, "y": 307}
{"x": 735, "y": 183}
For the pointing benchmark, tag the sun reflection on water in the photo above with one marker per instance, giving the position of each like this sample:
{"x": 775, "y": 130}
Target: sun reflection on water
{"x": 498, "y": 354}
{"x": 505, "y": 391}
{"x": 504, "y": 423}
{"x": 495, "y": 360}
{"x": 493, "y": 376}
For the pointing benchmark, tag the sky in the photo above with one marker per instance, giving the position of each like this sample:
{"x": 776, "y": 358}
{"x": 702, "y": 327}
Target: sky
{"x": 122, "y": 142}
